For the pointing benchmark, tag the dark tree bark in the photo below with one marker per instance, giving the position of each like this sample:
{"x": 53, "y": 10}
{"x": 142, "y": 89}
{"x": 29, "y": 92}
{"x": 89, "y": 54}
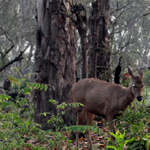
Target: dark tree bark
{"x": 54, "y": 57}
{"x": 81, "y": 25}
{"x": 100, "y": 53}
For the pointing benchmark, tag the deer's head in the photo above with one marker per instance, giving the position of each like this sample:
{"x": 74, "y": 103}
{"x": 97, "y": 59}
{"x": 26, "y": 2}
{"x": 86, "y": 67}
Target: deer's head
{"x": 137, "y": 84}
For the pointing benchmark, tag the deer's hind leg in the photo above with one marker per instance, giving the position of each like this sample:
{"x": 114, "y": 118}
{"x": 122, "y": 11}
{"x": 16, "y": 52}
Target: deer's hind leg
{"x": 80, "y": 119}
{"x": 88, "y": 121}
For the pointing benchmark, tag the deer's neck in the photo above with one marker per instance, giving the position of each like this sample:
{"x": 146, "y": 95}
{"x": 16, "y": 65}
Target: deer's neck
{"x": 130, "y": 95}
{"x": 127, "y": 98}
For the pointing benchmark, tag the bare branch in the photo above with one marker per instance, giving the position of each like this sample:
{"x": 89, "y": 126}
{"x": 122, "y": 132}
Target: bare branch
{"x": 19, "y": 57}
{"x": 146, "y": 14}
{"x": 144, "y": 60}
{"x": 120, "y": 8}
{"x": 9, "y": 50}
{"x": 5, "y": 33}
{"x": 128, "y": 43}
{"x": 5, "y": 4}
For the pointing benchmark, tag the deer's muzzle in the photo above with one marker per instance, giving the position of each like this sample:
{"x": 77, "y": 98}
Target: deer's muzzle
{"x": 139, "y": 98}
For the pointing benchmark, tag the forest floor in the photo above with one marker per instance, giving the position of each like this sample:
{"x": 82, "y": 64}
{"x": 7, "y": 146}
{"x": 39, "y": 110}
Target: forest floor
{"x": 99, "y": 139}
{"x": 21, "y": 133}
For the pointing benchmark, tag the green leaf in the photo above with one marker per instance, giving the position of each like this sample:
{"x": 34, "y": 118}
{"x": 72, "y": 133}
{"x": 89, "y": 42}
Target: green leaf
{"x": 54, "y": 88}
{"x": 27, "y": 90}
{"x": 23, "y": 79}
{"x": 42, "y": 86}
{"x": 121, "y": 145}
{"x": 114, "y": 135}
{"x": 145, "y": 139}
{"x": 13, "y": 84}
{"x": 17, "y": 69}
{"x": 63, "y": 112}
{"x": 81, "y": 104}
{"x": 54, "y": 102}
{"x": 38, "y": 85}
{"x": 69, "y": 141}
{"x": 62, "y": 105}
{"x": 46, "y": 87}
{"x": 112, "y": 147}
{"x": 129, "y": 140}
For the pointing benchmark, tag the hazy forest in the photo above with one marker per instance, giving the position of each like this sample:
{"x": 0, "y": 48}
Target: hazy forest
{"x": 46, "y": 46}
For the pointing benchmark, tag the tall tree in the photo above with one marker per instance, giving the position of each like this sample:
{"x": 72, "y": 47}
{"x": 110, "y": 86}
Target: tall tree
{"x": 81, "y": 25}
{"x": 100, "y": 53}
{"x": 54, "y": 57}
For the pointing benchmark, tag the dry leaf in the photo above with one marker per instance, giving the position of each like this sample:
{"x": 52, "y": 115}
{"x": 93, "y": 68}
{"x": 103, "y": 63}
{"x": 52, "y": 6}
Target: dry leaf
{"x": 101, "y": 146}
{"x": 64, "y": 147}
{"x": 27, "y": 148}
{"x": 67, "y": 133}
{"x": 106, "y": 39}
{"x": 80, "y": 139}
{"x": 86, "y": 148}
{"x": 92, "y": 136}
{"x": 137, "y": 139}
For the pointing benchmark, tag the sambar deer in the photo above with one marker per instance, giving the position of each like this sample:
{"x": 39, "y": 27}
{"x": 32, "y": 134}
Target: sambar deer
{"x": 104, "y": 99}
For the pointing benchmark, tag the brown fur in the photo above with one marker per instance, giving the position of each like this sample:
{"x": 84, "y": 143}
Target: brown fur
{"x": 104, "y": 99}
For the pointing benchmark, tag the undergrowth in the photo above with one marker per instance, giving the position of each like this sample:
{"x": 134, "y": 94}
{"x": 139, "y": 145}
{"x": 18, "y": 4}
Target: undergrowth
{"x": 19, "y": 131}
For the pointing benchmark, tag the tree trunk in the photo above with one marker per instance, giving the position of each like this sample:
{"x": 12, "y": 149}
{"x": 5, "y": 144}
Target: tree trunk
{"x": 54, "y": 57}
{"x": 100, "y": 55}
{"x": 81, "y": 25}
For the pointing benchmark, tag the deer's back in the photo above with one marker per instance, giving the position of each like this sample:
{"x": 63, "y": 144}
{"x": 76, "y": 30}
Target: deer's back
{"x": 97, "y": 95}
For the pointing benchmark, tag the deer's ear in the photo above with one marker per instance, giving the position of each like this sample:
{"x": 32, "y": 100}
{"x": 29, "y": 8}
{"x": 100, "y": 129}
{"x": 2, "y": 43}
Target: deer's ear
{"x": 141, "y": 73}
{"x": 130, "y": 71}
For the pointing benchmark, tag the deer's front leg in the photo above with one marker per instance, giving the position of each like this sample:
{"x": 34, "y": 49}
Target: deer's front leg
{"x": 111, "y": 125}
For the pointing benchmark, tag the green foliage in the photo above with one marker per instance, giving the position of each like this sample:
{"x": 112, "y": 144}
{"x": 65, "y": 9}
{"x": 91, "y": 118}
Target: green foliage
{"x": 134, "y": 121}
{"x": 139, "y": 144}
{"x": 146, "y": 95}
{"x": 82, "y": 128}
{"x": 119, "y": 141}
{"x": 57, "y": 120}
{"x": 25, "y": 86}
{"x": 135, "y": 124}
{"x": 125, "y": 82}
{"x": 13, "y": 128}
{"x": 4, "y": 97}
{"x": 147, "y": 77}
{"x": 17, "y": 130}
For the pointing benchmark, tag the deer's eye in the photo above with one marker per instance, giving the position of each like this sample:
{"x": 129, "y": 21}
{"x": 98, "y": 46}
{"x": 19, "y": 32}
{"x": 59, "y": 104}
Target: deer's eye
{"x": 133, "y": 85}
